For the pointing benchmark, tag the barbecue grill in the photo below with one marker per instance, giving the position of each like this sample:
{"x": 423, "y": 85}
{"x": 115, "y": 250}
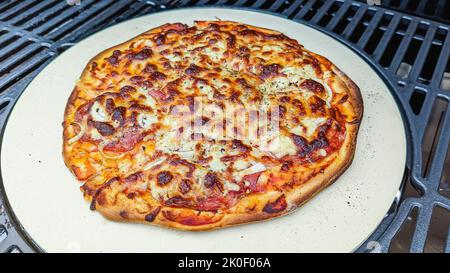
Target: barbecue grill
{"x": 408, "y": 42}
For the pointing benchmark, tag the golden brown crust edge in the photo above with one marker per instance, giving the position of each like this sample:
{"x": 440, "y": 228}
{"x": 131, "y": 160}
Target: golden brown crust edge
{"x": 294, "y": 199}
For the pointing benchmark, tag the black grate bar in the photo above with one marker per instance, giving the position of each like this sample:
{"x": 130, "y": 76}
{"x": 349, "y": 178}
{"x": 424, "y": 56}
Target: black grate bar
{"x": 53, "y": 23}
{"x": 419, "y": 237}
{"x": 305, "y": 9}
{"x": 202, "y": 2}
{"x": 260, "y": 3}
{"x": 373, "y": 25}
{"x": 403, "y": 5}
{"x": 422, "y": 5}
{"x": 10, "y": 42}
{"x": 395, "y": 226}
{"x": 221, "y": 2}
{"x": 34, "y": 12}
{"x": 19, "y": 56}
{"x": 96, "y": 21}
{"x": 406, "y": 41}
{"x": 13, "y": 11}
{"x": 423, "y": 52}
{"x": 381, "y": 48}
{"x": 294, "y": 8}
{"x": 321, "y": 11}
{"x": 5, "y": 5}
{"x": 437, "y": 163}
{"x": 342, "y": 10}
{"x": 14, "y": 49}
{"x": 46, "y": 16}
{"x": 440, "y": 8}
{"x": 443, "y": 59}
{"x": 138, "y": 8}
{"x": 18, "y": 72}
{"x": 420, "y": 123}
{"x": 354, "y": 22}
{"x": 277, "y": 5}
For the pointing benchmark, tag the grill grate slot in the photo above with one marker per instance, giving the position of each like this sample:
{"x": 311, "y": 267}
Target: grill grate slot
{"x": 95, "y": 20}
{"x": 432, "y": 58}
{"x": 402, "y": 240}
{"x": 432, "y": 133}
{"x": 361, "y": 26}
{"x": 439, "y": 227}
{"x": 346, "y": 19}
{"x": 46, "y": 16}
{"x": 46, "y": 26}
{"x": 36, "y": 12}
{"x": 444, "y": 184}
{"x": 23, "y": 6}
{"x": 330, "y": 11}
{"x": 394, "y": 43}
{"x": 416, "y": 101}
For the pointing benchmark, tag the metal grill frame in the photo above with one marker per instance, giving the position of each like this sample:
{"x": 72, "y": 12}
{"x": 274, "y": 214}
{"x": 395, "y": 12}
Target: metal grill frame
{"x": 35, "y": 33}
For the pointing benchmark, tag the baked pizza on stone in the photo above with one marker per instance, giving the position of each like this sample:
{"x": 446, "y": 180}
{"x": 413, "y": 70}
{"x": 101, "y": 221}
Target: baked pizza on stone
{"x": 207, "y": 126}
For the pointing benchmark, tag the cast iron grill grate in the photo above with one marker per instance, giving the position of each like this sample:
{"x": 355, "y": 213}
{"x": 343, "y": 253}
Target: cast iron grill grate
{"x": 412, "y": 53}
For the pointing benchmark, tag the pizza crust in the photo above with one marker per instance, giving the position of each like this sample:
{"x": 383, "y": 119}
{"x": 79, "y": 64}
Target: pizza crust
{"x": 248, "y": 209}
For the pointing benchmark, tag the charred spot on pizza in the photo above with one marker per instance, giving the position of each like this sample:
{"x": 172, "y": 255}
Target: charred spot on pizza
{"x": 164, "y": 178}
{"x": 123, "y": 214}
{"x": 211, "y": 180}
{"x": 276, "y": 206}
{"x": 143, "y": 54}
{"x": 185, "y": 186}
{"x": 152, "y": 215}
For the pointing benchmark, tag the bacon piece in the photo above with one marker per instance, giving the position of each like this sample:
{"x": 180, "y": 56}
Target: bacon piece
{"x": 277, "y": 206}
{"x": 158, "y": 94}
{"x": 103, "y": 128}
{"x": 313, "y": 86}
{"x": 126, "y": 143}
{"x": 213, "y": 203}
{"x": 178, "y": 201}
{"x": 269, "y": 71}
{"x": 133, "y": 177}
{"x": 253, "y": 180}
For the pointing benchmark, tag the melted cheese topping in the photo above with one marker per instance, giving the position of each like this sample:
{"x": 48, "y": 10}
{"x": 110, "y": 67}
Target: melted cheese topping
{"x": 126, "y": 101}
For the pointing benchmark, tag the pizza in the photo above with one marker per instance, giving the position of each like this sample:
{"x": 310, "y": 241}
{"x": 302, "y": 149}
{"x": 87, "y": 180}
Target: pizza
{"x": 207, "y": 126}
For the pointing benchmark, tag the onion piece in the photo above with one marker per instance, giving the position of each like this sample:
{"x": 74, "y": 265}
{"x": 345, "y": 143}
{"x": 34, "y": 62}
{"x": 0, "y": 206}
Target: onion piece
{"x": 100, "y": 148}
{"x": 153, "y": 163}
{"x": 78, "y": 136}
{"x": 258, "y": 167}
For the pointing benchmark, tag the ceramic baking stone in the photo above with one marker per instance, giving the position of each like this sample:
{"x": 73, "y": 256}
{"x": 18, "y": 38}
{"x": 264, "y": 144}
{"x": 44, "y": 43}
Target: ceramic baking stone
{"x": 47, "y": 201}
